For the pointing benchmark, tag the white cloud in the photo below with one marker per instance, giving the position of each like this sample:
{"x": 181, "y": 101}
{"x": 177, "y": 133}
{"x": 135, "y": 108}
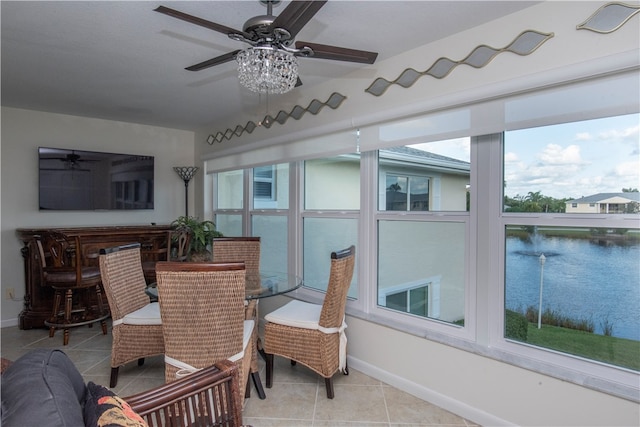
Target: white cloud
{"x": 554, "y": 154}
{"x": 630, "y": 133}
{"x": 584, "y": 136}
{"x": 510, "y": 157}
{"x": 627, "y": 169}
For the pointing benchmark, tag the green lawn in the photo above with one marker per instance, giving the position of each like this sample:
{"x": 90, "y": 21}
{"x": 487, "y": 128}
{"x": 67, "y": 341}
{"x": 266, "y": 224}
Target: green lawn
{"x": 615, "y": 351}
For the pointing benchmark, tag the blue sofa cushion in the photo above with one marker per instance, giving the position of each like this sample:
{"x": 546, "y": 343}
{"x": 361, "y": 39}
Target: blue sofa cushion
{"x": 42, "y": 388}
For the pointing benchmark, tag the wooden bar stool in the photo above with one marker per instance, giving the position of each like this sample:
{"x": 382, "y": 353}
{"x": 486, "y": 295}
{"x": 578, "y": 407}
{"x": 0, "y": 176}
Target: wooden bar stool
{"x": 76, "y": 284}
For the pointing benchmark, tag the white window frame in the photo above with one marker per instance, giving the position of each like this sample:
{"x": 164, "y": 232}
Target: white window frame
{"x": 269, "y": 201}
{"x": 547, "y": 361}
{"x": 433, "y": 294}
{"x": 409, "y": 177}
{"x": 425, "y": 327}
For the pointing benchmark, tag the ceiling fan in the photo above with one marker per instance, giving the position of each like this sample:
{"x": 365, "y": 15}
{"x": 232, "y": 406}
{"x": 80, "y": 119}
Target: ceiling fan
{"x": 73, "y": 161}
{"x": 275, "y": 34}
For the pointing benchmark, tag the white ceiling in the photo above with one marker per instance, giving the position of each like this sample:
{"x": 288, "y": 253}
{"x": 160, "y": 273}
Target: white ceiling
{"x": 120, "y": 60}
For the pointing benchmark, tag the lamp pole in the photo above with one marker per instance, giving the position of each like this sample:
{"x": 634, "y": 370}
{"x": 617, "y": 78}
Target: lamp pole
{"x": 542, "y": 260}
{"x": 186, "y": 173}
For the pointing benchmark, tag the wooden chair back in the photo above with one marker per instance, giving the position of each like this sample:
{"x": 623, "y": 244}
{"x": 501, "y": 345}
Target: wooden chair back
{"x": 60, "y": 258}
{"x": 180, "y": 241}
{"x": 210, "y": 397}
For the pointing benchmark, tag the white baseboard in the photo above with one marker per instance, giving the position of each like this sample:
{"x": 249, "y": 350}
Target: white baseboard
{"x": 445, "y": 402}
{"x": 9, "y": 322}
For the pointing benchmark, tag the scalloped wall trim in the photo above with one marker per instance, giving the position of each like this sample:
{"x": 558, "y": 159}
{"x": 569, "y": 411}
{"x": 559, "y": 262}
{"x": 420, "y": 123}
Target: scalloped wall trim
{"x": 314, "y": 107}
{"x": 609, "y": 18}
{"x": 524, "y": 44}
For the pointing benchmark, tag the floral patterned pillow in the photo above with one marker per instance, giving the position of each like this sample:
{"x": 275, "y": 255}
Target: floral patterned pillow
{"x": 103, "y": 408}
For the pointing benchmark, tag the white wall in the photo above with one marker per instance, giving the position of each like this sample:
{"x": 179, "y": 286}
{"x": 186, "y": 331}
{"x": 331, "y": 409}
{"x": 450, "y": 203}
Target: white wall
{"x": 23, "y": 131}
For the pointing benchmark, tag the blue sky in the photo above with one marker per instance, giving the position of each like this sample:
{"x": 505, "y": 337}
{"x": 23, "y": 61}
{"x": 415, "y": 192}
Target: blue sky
{"x": 575, "y": 159}
{"x": 567, "y": 160}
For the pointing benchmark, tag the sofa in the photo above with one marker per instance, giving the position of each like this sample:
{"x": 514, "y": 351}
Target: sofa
{"x": 44, "y": 388}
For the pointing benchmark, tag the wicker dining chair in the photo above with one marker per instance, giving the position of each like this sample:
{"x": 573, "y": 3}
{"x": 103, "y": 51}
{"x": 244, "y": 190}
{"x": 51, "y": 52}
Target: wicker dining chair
{"x": 243, "y": 249}
{"x": 137, "y": 326}
{"x": 313, "y": 334}
{"x": 202, "y": 309}
{"x": 209, "y": 397}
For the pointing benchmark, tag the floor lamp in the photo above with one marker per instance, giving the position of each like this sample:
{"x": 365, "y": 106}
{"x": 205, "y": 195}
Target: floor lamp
{"x": 186, "y": 173}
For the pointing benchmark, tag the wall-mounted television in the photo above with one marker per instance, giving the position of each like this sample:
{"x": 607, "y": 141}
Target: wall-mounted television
{"x": 89, "y": 180}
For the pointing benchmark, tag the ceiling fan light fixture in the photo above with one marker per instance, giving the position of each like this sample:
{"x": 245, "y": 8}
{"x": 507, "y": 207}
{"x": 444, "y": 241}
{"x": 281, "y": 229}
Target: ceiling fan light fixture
{"x": 267, "y": 69}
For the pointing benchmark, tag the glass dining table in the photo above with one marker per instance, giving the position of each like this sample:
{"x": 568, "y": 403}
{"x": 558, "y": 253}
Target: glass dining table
{"x": 270, "y": 283}
{"x": 258, "y": 286}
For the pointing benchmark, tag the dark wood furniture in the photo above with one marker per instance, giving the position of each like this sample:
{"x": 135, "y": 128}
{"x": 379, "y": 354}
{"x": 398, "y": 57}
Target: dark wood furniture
{"x": 210, "y": 397}
{"x": 76, "y": 287}
{"x": 38, "y": 298}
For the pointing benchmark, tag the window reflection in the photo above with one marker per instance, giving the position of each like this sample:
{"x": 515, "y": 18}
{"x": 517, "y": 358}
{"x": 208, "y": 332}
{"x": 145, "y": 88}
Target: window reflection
{"x": 421, "y": 268}
{"x": 418, "y": 178}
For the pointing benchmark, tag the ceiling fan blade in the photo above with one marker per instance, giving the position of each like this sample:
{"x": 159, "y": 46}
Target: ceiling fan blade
{"x": 214, "y": 61}
{"x": 296, "y": 15}
{"x": 199, "y": 21}
{"x": 323, "y": 51}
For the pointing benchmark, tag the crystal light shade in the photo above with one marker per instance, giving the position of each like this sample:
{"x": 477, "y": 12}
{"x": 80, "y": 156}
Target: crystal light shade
{"x": 266, "y": 69}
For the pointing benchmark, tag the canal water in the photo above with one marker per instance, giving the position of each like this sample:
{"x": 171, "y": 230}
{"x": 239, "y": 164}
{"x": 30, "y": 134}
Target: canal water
{"x": 582, "y": 279}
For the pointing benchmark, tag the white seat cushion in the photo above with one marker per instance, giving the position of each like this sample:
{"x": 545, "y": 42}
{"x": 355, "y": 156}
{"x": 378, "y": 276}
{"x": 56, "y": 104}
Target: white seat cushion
{"x": 246, "y": 337}
{"x": 248, "y": 330}
{"x": 298, "y": 314}
{"x": 147, "y": 315}
{"x": 305, "y": 315}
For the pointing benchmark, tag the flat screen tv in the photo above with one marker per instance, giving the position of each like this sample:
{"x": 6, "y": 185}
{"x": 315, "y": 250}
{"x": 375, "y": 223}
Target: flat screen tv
{"x": 89, "y": 180}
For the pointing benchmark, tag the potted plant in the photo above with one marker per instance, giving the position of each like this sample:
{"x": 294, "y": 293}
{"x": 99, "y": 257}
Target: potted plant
{"x": 202, "y": 234}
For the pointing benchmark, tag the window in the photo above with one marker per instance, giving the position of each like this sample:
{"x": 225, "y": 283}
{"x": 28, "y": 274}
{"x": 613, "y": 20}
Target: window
{"x": 271, "y": 187}
{"x": 404, "y": 193}
{"x": 269, "y": 215}
{"x": 229, "y": 191}
{"x": 330, "y": 218}
{"x": 418, "y": 178}
{"x": 421, "y": 258}
{"x": 267, "y": 218}
{"x": 571, "y": 281}
{"x": 582, "y": 165}
{"x": 263, "y": 183}
{"x": 425, "y": 260}
{"x": 414, "y": 298}
{"x": 273, "y": 233}
{"x": 332, "y": 183}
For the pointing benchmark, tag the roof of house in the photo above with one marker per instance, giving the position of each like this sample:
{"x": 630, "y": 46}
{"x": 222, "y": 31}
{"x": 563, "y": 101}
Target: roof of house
{"x": 596, "y": 198}
{"x": 424, "y": 155}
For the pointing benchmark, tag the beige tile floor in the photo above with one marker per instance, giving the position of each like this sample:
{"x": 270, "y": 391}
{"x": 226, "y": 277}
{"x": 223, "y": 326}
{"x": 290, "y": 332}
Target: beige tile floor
{"x": 298, "y": 397}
